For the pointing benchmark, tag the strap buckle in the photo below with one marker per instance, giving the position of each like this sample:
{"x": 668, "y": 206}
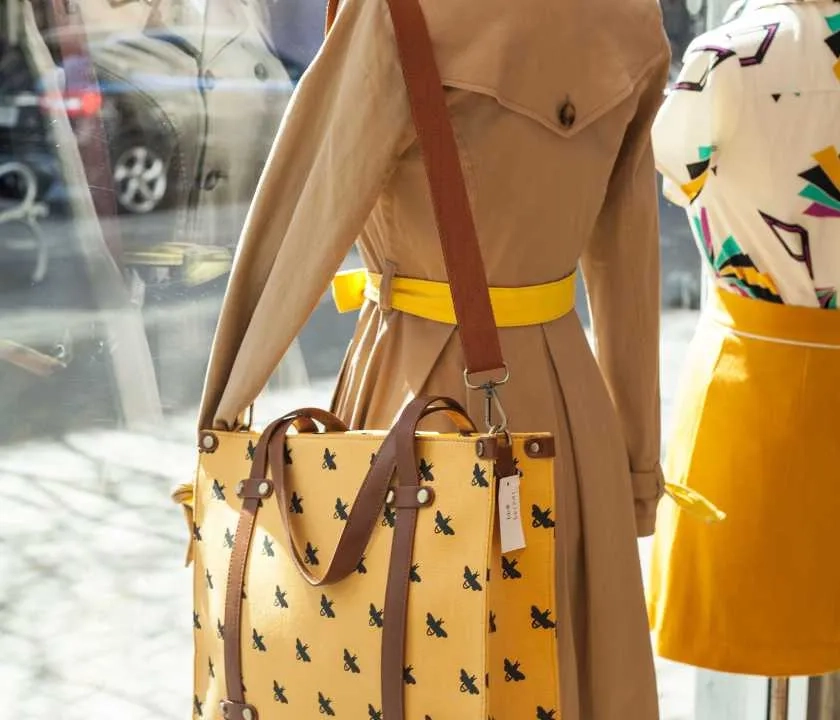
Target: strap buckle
{"x": 491, "y": 401}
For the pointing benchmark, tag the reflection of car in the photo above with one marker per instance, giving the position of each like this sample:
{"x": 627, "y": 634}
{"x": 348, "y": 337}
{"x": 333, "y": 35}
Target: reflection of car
{"x": 137, "y": 97}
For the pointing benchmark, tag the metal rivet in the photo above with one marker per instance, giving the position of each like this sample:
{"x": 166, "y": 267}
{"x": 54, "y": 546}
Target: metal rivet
{"x": 423, "y": 496}
{"x": 224, "y": 706}
{"x": 389, "y": 498}
{"x": 263, "y": 488}
{"x": 479, "y": 450}
{"x": 207, "y": 442}
{"x": 240, "y": 487}
{"x": 247, "y": 714}
{"x": 534, "y": 447}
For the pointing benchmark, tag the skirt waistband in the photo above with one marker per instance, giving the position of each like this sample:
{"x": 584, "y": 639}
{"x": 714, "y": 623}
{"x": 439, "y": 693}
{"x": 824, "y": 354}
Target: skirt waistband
{"x": 773, "y": 322}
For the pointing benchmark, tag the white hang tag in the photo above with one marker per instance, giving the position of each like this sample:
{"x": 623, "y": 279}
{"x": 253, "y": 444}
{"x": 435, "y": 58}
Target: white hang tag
{"x": 510, "y": 515}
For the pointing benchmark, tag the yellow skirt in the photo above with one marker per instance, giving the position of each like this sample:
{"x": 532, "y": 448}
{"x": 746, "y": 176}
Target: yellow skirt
{"x": 754, "y": 431}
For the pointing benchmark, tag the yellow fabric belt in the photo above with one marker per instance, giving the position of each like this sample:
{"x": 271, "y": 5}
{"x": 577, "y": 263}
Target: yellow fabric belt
{"x": 512, "y": 306}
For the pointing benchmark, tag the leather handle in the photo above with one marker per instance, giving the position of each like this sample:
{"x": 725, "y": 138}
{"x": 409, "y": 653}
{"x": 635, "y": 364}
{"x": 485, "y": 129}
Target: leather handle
{"x": 453, "y": 213}
{"x": 370, "y": 499}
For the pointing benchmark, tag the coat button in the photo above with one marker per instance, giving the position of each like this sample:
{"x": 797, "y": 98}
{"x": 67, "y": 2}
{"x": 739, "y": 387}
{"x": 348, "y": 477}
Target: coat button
{"x": 211, "y": 180}
{"x": 261, "y": 71}
{"x": 566, "y": 114}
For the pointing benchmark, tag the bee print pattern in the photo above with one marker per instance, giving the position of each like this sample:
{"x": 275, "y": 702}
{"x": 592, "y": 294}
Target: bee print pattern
{"x": 373, "y": 713}
{"x": 196, "y": 621}
{"x": 268, "y": 546}
{"x": 327, "y": 607}
{"x": 329, "y": 460}
{"x": 471, "y": 580}
{"x": 509, "y": 571}
{"x": 442, "y": 524}
{"x": 408, "y": 675}
{"x": 211, "y": 670}
{"x": 543, "y": 714}
{"x": 492, "y": 622}
{"x": 376, "y": 616}
{"x": 512, "y": 672}
{"x": 541, "y": 619}
{"x": 251, "y": 451}
{"x": 516, "y": 468}
{"x": 424, "y": 472}
{"x": 220, "y": 629}
{"x": 541, "y": 518}
{"x": 434, "y": 627}
{"x": 468, "y": 683}
{"x": 479, "y": 478}
{"x": 302, "y": 652}
{"x": 280, "y": 598}
{"x": 287, "y": 454}
{"x": 296, "y": 504}
{"x": 311, "y": 555}
{"x": 196, "y": 532}
{"x": 280, "y": 694}
{"x": 209, "y": 579}
{"x": 350, "y": 664}
{"x": 228, "y": 539}
{"x": 218, "y": 490}
{"x": 361, "y": 568}
{"x": 325, "y": 705}
{"x": 389, "y": 517}
{"x": 197, "y": 706}
{"x": 414, "y": 574}
{"x": 340, "y": 510}
{"x": 257, "y": 641}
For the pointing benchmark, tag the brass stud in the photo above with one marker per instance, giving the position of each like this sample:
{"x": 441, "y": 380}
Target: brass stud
{"x": 535, "y": 447}
{"x": 208, "y": 441}
{"x": 390, "y": 497}
{"x": 247, "y": 713}
{"x": 240, "y": 487}
{"x": 263, "y": 488}
{"x": 480, "y": 449}
{"x": 423, "y": 496}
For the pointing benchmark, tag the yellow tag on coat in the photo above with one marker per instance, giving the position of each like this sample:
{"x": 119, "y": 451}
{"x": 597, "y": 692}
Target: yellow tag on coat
{"x": 510, "y": 515}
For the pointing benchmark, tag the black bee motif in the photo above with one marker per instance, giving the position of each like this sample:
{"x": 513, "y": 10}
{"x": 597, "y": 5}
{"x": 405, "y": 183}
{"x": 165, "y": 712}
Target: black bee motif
{"x": 408, "y": 676}
{"x": 376, "y": 616}
{"x": 350, "y": 664}
{"x": 389, "y": 518}
{"x": 512, "y": 672}
{"x": 435, "y": 627}
{"x": 543, "y": 714}
{"x": 211, "y": 669}
{"x": 325, "y": 706}
{"x": 311, "y": 555}
{"x": 287, "y": 454}
{"x": 280, "y": 598}
{"x": 280, "y": 694}
{"x": 296, "y": 504}
{"x": 414, "y": 575}
{"x": 209, "y": 578}
{"x": 516, "y": 467}
{"x": 479, "y": 478}
{"x": 218, "y": 490}
{"x": 468, "y": 683}
{"x": 220, "y": 629}
{"x": 251, "y": 451}
{"x": 509, "y": 571}
{"x": 373, "y": 713}
{"x": 257, "y": 641}
{"x": 492, "y": 622}
{"x": 471, "y": 579}
{"x": 329, "y": 461}
{"x": 228, "y": 539}
{"x": 424, "y": 472}
{"x": 196, "y": 532}
{"x": 268, "y": 546}
{"x": 340, "y": 510}
{"x": 327, "y": 607}
{"x": 442, "y": 524}
{"x": 360, "y": 568}
{"x": 302, "y": 652}
{"x": 541, "y": 620}
{"x": 199, "y": 709}
{"x": 542, "y": 518}
{"x": 196, "y": 621}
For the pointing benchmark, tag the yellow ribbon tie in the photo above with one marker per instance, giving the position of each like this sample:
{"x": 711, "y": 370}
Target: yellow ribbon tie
{"x": 694, "y": 503}
{"x": 183, "y": 495}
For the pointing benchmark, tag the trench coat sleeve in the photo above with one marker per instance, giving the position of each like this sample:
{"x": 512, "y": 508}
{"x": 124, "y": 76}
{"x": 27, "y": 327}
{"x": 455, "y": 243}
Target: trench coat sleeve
{"x": 697, "y": 119}
{"x": 339, "y": 141}
{"x": 621, "y": 269}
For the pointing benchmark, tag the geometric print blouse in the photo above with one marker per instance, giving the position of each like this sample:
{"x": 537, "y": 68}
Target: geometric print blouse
{"x": 748, "y": 141}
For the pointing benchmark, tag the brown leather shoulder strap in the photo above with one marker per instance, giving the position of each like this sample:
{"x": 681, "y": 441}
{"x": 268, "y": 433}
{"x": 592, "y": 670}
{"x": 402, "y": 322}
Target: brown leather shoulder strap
{"x": 458, "y": 237}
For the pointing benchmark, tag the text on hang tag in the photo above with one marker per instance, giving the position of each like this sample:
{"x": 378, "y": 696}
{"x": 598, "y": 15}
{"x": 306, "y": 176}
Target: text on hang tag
{"x": 510, "y": 515}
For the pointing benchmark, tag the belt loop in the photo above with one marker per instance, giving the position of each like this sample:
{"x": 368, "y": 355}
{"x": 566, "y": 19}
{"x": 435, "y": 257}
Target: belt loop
{"x": 388, "y": 273}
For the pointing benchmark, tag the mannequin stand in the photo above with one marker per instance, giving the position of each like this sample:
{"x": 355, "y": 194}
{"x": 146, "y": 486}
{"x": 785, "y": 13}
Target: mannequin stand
{"x": 779, "y": 694}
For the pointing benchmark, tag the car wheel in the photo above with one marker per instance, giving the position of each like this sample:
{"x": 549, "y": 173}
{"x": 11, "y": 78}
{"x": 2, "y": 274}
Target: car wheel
{"x": 141, "y": 177}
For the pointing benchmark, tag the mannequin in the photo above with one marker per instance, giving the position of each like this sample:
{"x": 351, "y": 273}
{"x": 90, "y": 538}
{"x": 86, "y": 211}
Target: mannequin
{"x": 749, "y": 144}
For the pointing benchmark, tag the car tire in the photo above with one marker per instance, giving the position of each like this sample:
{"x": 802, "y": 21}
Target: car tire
{"x": 142, "y": 177}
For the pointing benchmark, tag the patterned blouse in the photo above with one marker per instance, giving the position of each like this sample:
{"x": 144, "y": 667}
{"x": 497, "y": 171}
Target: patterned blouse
{"x": 748, "y": 141}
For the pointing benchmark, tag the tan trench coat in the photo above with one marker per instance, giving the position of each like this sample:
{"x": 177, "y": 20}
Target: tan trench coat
{"x": 546, "y": 196}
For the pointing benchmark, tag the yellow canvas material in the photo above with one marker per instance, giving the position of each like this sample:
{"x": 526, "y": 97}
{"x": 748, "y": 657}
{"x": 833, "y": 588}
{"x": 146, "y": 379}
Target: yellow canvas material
{"x": 482, "y": 638}
{"x": 755, "y": 431}
{"x": 512, "y": 306}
